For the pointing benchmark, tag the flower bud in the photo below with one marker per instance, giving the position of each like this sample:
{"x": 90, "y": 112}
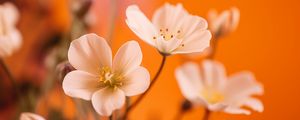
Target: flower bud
{"x": 63, "y": 69}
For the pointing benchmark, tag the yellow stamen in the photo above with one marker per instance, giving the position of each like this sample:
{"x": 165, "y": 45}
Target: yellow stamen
{"x": 109, "y": 79}
{"x": 168, "y": 35}
{"x": 212, "y": 96}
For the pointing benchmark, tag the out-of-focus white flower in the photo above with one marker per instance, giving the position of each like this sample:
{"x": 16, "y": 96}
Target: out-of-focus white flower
{"x": 77, "y": 5}
{"x": 31, "y": 116}
{"x": 10, "y": 37}
{"x": 102, "y": 80}
{"x": 90, "y": 18}
{"x": 211, "y": 87}
{"x": 223, "y": 23}
{"x": 172, "y": 30}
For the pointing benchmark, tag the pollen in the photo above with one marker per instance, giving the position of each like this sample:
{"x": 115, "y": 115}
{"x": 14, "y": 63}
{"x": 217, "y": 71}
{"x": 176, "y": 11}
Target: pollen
{"x": 168, "y": 34}
{"x": 109, "y": 79}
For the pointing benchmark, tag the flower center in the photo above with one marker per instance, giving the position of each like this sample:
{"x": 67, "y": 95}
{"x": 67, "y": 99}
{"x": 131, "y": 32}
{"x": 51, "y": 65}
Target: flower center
{"x": 212, "y": 97}
{"x": 109, "y": 79}
{"x": 167, "y": 34}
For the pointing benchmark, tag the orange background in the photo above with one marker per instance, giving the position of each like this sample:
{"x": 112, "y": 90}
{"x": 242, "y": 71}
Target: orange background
{"x": 266, "y": 43}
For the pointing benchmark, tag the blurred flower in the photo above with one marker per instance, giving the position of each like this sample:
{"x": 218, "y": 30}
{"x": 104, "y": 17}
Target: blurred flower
{"x": 101, "y": 80}
{"x": 211, "y": 88}
{"x": 223, "y": 23}
{"x": 90, "y": 18}
{"x": 80, "y": 7}
{"x": 30, "y": 116}
{"x": 10, "y": 37}
{"x": 172, "y": 31}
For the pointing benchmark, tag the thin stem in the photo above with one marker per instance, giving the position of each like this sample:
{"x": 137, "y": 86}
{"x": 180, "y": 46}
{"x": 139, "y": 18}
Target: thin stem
{"x": 214, "y": 46}
{"x": 153, "y": 81}
{"x": 112, "y": 19}
{"x": 11, "y": 78}
{"x": 206, "y": 114}
{"x": 14, "y": 83}
{"x": 110, "y": 117}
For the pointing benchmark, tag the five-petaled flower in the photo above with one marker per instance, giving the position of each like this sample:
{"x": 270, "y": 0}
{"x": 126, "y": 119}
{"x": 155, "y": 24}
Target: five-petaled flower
{"x": 30, "y": 116}
{"x": 172, "y": 30}
{"x": 223, "y": 23}
{"x": 10, "y": 37}
{"x": 102, "y": 80}
{"x": 209, "y": 87}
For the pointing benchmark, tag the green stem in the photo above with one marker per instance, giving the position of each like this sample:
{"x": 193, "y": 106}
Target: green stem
{"x": 153, "y": 81}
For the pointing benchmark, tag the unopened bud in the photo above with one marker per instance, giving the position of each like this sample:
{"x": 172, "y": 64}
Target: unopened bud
{"x": 186, "y": 105}
{"x": 63, "y": 69}
{"x": 81, "y": 7}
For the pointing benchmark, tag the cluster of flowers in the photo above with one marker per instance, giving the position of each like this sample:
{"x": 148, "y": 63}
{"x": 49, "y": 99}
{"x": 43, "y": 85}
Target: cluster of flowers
{"x": 106, "y": 81}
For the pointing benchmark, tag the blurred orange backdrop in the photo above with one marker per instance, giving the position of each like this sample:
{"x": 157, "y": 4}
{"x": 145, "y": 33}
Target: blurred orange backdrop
{"x": 266, "y": 43}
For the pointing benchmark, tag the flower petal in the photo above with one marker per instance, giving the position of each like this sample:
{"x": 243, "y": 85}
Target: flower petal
{"x": 254, "y": 104}
{"x": 89, "y": 53}
{"x": 136, "y": 82}
{"x": 30, "y": 116}
{"x": 216, "y": 107}
{"x": 220, "y": 23}
{"x": 237, "y": 110}
{"x": 15, "y": 38}
{"x": 197, "y": 42}
{"x": 214, "y": 74}
{"x": 128, "y": 58}
{"x": 189, "y": 80}
{"x": 6, "y": 47}
{"x": 140, "y": 24}
{"x": 235, "y": 17}
{"x": 167, "y": 46}
{"x": 212, "y": 15}
{"x": 80, "y": 84}
{"x": 10, "y": 13}
{"x": 242, "y": 85}
{"x": 192, "y": 24}
{"x": 169, "y": 16}
{"x": 106, "y": 100}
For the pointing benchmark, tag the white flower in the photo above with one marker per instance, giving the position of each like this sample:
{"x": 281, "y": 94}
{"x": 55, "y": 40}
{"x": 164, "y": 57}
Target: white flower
{"x": 30, "y": 116}
{"x": 10, "y": 37}
{"x": 211, "y": 87}
{"x": 172, "y": 30}
{"x": 102, "y": 80}
{"x": 225, "y": 22}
